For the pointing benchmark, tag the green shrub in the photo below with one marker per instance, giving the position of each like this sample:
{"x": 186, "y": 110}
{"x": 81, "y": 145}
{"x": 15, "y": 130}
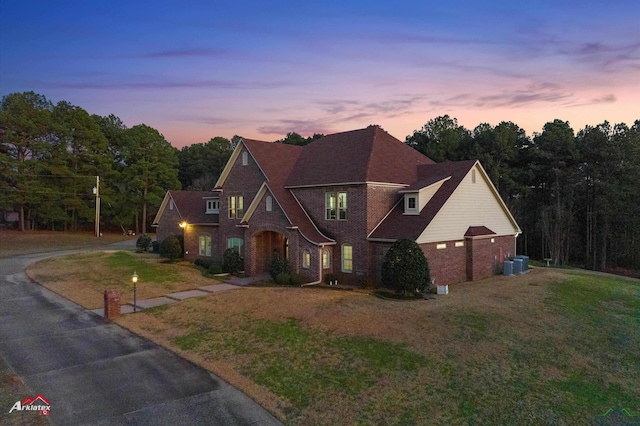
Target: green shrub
{"x": 143, "y": 243}
{"x": 277, "y": 266}
{"x": 215, "y": 269}
{"x": 203, "y": 263}
{"x": 296, "y": 279}
{"x": 283, "y": 278}
{"x": 405, "y": 268}
{"x": 180, "y": 238}
{"x": 232, "y": 262}
{"x": 170, "y": 248}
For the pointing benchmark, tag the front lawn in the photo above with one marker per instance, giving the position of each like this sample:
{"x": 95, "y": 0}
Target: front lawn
{"x": 84, "y": 277}
{"x": 549, "y": 347}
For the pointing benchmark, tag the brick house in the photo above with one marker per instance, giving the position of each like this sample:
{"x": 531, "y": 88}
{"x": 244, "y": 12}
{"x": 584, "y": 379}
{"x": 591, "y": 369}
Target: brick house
{"x": 336, "y": 206}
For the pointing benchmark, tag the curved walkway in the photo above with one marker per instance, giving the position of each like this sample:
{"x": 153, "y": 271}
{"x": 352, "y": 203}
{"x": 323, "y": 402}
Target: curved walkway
{"x": 94, "y": 372}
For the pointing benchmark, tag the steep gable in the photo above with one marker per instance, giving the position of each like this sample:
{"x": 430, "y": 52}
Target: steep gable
{"x": 276, "y": 162}
{"x": 358, "y": 156}
{"x": 472, "y": 208}
{"x": 457, "y": 204}
{"x": 190, "y": 205}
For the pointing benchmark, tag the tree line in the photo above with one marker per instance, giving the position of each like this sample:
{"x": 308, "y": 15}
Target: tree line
{"x": 50, "y": 156}
{"x": 575, "y": 196}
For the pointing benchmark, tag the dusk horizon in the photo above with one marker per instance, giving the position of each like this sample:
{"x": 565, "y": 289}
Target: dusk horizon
{"x": 198, "y": 70}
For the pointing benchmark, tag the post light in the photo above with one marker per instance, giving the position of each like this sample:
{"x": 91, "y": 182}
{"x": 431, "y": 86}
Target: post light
{"x": 96, "y": 192}
{"x": 135, "y": 280}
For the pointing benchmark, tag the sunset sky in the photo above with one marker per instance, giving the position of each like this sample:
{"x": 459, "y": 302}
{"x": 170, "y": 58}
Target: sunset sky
{"x": 199, "y": 69}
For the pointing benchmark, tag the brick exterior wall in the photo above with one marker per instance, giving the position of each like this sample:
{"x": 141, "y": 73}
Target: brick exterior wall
{"x": 245, "y": 181}
{"x": 192, "y": 244}
{"x": 380, "y": 200}
{"x": 265, "y": 235}
{"x": 447, "y": 266}
{"x": 169, "y": 224}
{"x": 352, "y": 231}
{"x": 478, "y": 259}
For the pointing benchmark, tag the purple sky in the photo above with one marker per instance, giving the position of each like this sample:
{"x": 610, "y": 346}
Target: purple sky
{"x": 199, "y": 69}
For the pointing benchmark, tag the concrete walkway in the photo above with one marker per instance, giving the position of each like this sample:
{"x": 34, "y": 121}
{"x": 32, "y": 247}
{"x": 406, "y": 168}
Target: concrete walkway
{"x": 171, "y": 298}
{"x": 94, "y": 372}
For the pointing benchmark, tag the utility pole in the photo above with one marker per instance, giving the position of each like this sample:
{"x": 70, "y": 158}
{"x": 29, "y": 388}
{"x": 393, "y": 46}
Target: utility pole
{"x": 96, "y": 191}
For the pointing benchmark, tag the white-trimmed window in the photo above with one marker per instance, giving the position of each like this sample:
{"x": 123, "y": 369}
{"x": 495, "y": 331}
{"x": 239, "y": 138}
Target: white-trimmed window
{"x": 326, "y": 259}
{"x": 459, "y": 244}
{"x": 204, "y": 243}
{"x": 269, "y": 203}
{"x": 411, "y": 204}
{"x": 347, "y": 258}
{"x": 245, "y": 158}
{"x": 441, "y": 246}
{"x": 306, "y": 259}
{"x": 335, "y": 205}
{"x": 236, "y": 207}
{"x": 213, "y": 206}
{"x": 235, "y": 243}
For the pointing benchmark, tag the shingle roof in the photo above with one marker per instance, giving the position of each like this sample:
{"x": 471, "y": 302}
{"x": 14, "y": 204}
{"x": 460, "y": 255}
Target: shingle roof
{"x": 277, "y": 161}
{"x": 365, "y": 155}
{"x": 398, "y": 225}
{"x": 192, "y": 207}
{"x": 478, "y": 231}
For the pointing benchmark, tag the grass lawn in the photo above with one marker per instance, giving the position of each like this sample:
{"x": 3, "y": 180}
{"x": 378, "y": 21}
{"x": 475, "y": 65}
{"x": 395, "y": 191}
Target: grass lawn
{"x": 84, "y": 277}
{"x": 13, "y": 243}
{"x": 549, "y": 347}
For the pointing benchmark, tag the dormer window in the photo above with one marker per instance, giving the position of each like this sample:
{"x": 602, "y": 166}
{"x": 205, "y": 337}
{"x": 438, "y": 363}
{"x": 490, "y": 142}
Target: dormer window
{"x": 411, "y": 204}
{"x": 213, "y": 206}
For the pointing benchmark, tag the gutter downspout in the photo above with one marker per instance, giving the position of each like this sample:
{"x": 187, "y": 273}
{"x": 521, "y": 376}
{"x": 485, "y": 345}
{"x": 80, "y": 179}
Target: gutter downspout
{"x": 319, "y": 271}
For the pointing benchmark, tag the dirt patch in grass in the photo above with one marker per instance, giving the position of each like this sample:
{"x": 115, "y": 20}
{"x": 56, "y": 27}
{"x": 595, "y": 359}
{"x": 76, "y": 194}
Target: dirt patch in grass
{"x": 14, "y": 243}
{"x": 83, "y": 278}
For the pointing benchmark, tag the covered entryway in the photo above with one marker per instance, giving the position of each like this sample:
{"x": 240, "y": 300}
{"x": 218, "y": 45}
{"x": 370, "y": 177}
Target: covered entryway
{"x": 264, "y": 245}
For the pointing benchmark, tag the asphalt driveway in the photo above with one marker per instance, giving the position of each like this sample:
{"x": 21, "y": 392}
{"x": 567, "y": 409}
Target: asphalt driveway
{"x": 94, "y": 372}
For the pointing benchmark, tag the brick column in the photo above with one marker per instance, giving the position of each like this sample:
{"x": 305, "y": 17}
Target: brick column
{"x": 111, "y": 304}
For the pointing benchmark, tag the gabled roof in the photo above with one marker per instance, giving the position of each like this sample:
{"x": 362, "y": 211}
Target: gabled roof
{"x": 276, "y": 162}
{"x": 358, "y": 156}
{"x": 398, "y": 225}
{"x": 191, "y": 207}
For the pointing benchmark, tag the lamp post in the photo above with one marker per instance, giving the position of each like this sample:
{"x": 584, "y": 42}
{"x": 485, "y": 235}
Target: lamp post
{"x": 135, "y": 280}
{"x": 96, "y": 192}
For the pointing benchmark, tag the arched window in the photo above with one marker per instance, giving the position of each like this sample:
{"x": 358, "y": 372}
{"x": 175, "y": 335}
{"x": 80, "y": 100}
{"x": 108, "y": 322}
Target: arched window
{"x": 347, "y": 258}
{"x": 326, "y": 259}
{"x": 245, "y": 158}
{"x": 269, "y": 203}
{"x": 306, "y": 259}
